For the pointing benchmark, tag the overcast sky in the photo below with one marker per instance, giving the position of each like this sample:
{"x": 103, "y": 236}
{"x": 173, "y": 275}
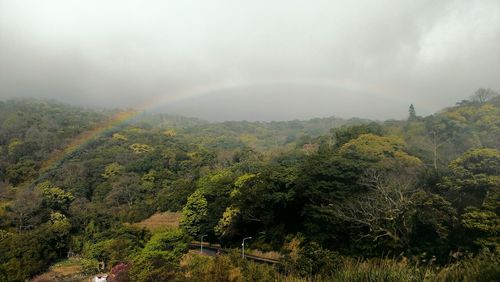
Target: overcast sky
{"x": 255, "y": 60}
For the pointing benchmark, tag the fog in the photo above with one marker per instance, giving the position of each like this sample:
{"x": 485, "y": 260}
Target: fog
{"x": 254, "y": 60}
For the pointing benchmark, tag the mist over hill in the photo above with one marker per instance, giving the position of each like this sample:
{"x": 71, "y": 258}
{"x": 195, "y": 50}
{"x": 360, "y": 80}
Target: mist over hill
{"x": 281, "y": 102}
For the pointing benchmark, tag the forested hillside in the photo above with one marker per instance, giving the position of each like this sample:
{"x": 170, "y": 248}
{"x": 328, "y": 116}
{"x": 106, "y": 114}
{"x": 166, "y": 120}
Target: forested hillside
{"x": 400, "y": 200}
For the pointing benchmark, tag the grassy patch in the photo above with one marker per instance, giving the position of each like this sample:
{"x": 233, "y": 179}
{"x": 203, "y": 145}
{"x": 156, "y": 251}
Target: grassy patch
{"x": 268, "y": 255}
{"x": 66, "y": 270}
{"x": 163, "y": 220}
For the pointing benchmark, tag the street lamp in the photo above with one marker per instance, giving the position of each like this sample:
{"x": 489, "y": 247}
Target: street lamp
{"x": 243, "y": 246}
{"x": 201, "y": 243}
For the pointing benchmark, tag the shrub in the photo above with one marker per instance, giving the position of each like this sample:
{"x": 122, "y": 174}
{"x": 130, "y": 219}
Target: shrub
{"x": 310, "y": 259}
{"x": 484, "y": 267}
{"x": 90, "y": 266}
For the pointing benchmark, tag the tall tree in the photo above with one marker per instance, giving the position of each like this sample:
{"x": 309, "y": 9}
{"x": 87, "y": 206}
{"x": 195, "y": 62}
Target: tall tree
{"x": 473, "y": 186}
{"x": 474, "y": 179}
{"x": 194, "y": 214}
{"x": 483, "y": 94}
{"x": 441, "y": 130}
{"x": 412, "y": 115}
{"x": 386, "y": 210}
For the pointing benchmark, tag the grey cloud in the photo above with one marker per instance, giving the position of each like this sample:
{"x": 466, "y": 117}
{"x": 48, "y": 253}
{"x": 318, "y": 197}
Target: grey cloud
{"x": 345, "y": 54}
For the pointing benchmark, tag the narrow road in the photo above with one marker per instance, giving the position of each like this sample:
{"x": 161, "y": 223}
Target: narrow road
{"x": 212, "y": 251}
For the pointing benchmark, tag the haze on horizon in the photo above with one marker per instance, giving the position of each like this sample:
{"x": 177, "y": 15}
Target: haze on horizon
{"x": 253, "y": 60}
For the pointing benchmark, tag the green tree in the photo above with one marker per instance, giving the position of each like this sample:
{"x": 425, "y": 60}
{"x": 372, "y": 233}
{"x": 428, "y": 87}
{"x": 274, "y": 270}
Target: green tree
{"x": 25, "y": 254}
{"x": 323, "y": 180}
{"x": 60, "y": 227}
{"x": 433, "y": 225}
{"x": 194, "y": 214}
{"x": 473, "y": 186}
{"x": 22, "y": 171}
{"x": 26, "y": 210}
{"x": 384, "y": 213}
{"x": 159, "y": 260}
{"x": 474, "y": 179}
{"x": 54, "y": 197}
{"x": 441, "y": 130}
{"x": 385, "y": 151}
{"x": 216, "y": 188}
{"x": 112, "y": 169}
{"x": 125, "y": 190}
{"x": 412, "y": 115}
{"x": 226, "y": 223}
{"x": 344, "y": 134}
{"x": 174, "y": 195}
{"x": 483, "y": 227}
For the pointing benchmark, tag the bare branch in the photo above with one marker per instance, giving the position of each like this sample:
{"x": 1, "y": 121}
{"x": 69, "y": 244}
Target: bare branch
{"x": 384, "y": 211}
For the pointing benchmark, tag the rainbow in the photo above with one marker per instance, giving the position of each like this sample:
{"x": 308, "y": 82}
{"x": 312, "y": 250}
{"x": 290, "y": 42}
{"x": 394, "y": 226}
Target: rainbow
{"x": 86, "y": 137}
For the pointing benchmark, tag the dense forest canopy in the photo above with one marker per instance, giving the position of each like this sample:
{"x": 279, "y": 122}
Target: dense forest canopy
{"x": 325, "y": 193}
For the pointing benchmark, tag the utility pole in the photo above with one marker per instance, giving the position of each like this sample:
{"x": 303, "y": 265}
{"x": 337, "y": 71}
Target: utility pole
{"x": 243, "y": 246}
{"x": 201, "y": 243}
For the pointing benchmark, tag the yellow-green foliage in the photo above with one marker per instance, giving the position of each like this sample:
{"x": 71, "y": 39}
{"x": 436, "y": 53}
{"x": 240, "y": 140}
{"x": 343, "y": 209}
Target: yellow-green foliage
{"x": 120, "y": 137}
{"x": 227, "y": 220}
{"x": 14, "y": 143}
{"x": 484, "y": 120}
{"x": 136, "y": 130}
{"x": 220, "y": 176}
{"x": 249, "y": 139}
{"x": 485, "y": 223}
{"x": 60, "y": 226}
{"x": 90, "y": 266}
{"x": 140, "y": 148}
{"x": 112, "y": 170}
{"x": 169, "y": 133}
{"x": 476, "y": 173}
{"x": 240, "y": 181}
{"x": 380, "y": 149}
{"x": 55, "y": 197}
{"x": 148, "y": 180}
{"x": 478, "y": 164}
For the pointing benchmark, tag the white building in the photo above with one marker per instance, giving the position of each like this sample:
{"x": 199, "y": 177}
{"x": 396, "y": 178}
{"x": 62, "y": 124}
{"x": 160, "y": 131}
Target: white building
{"x": 100, "y": 278}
